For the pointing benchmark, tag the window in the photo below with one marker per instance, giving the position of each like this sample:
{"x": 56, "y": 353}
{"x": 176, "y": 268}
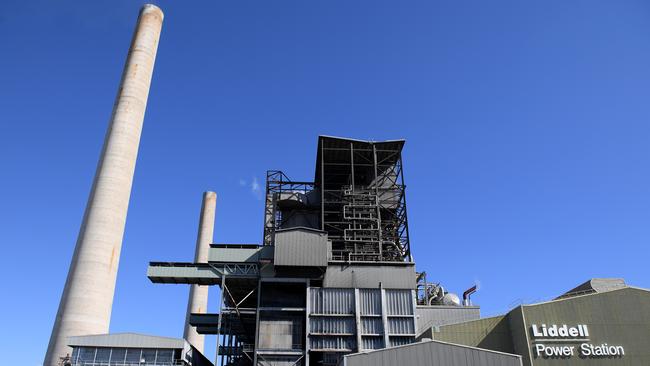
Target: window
{"x": 117, "y": 357}
{"x": 103, "y": 355}
{"x": 133, "y": 356}
{"x": 165, "y": 356}
{"x": 75, "y": 353}
{"x": 87, "y": 355}
{"x": 149, "y": 356}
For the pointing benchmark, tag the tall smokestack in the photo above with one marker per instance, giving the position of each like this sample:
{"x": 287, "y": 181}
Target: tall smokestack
{"x": 87, "y": 299}
{"x": 198, "y": 301}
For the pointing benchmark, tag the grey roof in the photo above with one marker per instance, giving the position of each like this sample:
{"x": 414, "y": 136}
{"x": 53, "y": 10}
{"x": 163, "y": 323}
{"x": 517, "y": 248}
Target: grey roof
{"x": 127, "y": 340}
{"x": 432, "y": 353}
{"x": 595, "y": 285}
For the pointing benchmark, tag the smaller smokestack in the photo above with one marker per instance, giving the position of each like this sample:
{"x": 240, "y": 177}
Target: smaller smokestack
{"x": 466, "y": 295}
{"x": 198, "y": 299}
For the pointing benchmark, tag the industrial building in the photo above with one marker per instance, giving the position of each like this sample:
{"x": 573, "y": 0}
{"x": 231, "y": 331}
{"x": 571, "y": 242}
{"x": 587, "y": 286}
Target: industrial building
{"x": 600, "y": 322}
{"x": 129, "y": 349}
{"x": 333, "y": 273}
{"x": 331, "y": 282}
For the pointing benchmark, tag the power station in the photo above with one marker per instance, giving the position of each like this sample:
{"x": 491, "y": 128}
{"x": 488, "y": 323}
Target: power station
{"x": 333, "y": 274}
{"x": 331, "y": 282}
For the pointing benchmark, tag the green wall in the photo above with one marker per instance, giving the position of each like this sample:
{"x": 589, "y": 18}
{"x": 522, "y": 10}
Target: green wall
{"x": 618, "y": 318}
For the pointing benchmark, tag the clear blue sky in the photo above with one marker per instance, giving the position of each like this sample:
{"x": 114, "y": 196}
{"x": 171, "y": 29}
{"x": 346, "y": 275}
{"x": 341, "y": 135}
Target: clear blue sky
{"x": 527, "y": 127}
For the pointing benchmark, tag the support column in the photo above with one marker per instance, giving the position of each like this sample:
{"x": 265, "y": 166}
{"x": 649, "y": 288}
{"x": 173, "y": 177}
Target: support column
{"x": 357, "y": 318}
{"x": 87, "y": 299}
{"x": 384, "y": 318}
{"x": 198, "y": 299}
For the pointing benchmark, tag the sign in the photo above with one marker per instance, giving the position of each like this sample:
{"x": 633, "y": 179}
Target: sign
{"x": 562, "y": 341}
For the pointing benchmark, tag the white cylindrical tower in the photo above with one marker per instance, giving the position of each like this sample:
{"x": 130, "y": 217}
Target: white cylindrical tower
{"x": 198, "y": 300}
{"x": 87, "y": 299}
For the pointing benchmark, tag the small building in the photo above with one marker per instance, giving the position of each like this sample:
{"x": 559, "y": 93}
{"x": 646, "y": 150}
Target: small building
{"x": 130, "y": 349}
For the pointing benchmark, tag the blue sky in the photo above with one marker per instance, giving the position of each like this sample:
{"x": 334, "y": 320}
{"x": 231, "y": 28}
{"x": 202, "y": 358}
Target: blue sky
{"x": 526, "y": 124}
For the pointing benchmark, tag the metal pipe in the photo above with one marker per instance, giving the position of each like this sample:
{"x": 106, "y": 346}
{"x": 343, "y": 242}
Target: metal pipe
{"x": 87, "y": 299}
{"x": 467, "y": 294}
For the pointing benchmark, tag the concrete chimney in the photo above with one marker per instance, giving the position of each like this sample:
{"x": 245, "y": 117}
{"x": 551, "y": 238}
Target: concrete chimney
{"x": 198, "y": 300}
{"x": 87, "y": 299}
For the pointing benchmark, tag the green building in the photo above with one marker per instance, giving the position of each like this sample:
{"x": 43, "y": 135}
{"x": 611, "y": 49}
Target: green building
{"x": 601, "y": 322}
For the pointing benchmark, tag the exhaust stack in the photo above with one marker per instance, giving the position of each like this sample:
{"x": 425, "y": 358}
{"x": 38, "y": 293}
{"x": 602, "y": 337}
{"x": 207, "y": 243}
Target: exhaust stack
{"x": 87, "y": 300}
{"x": 198, "y": 299}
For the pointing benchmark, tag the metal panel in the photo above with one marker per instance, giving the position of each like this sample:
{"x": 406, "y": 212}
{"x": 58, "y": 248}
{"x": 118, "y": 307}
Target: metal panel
{"x": 491, "y": 333}
{"x": 369, "y": 343}
{"x": 301, "y": 247}
{"x": 435, "y": 316}
{"x": 372, "y": 326}
{"x": 370, "y": 301}
{"x": 400, "y": 276}
{"x": 199, "y": 273}
{"x": 401, "y": 326}
{"x": 341, "y": 343}
{"x": 432, "y": 353}
{"x": 400, "y": 341}
{"x": 332, "y": 325}
{"x": 331, "y": 301}
{"x": 239, "y": 254}
{"x": 399, "y": 302}
{"x": 616, "y": 317}
{"x": 126, "y": 340}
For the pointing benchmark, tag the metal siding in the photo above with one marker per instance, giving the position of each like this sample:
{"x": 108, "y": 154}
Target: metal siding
{"x": 370, "y": 301}
{"x": 399, "y": 302}
{"x": 331, "y": 301}
{"x": 372, "y": 342}
{"x": 616, "y": 317}
{"x": 401, "y": 326}
{"x": 332, "y": 343}
{"x": 371, "y": 325}
{"x": 127, "y": 340}
{"x": 490, "y": 333}
{"x": 332, "y": 325}
{"x": 370, "y": 277}
{"x": 400, "y": 341}
{"x": 435, "y": 316}
{"x": 234, "y": 255}
{"x": 300, "y": 247}
{"x": 434, "y": 354}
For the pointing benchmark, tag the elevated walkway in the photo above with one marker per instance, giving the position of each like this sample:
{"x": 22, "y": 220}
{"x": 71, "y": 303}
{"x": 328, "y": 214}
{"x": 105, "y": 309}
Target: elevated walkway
{"x": 200, "y": 273}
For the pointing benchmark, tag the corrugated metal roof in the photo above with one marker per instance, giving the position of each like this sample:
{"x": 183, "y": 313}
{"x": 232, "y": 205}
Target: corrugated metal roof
{"x": 127, "y": 340}
{"x": 432, "y": 353}
{"x": 596, "y": 285}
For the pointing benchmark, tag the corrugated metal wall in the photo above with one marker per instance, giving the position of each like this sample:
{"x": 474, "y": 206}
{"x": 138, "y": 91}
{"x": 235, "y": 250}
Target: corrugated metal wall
{"x": 435, "y": 316}
{"x": 331, "y": 300}
{"x": 434, "y": 354}
{"x": 334, "y": 312}
{"x": 299, "y": 247}
{"x": 370, "y": 301}
{"x": 332, "y": 325}
{"x": 372, "y": 326}
{"x": 401, "y": 326}
{"x": 399, "y": 302}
